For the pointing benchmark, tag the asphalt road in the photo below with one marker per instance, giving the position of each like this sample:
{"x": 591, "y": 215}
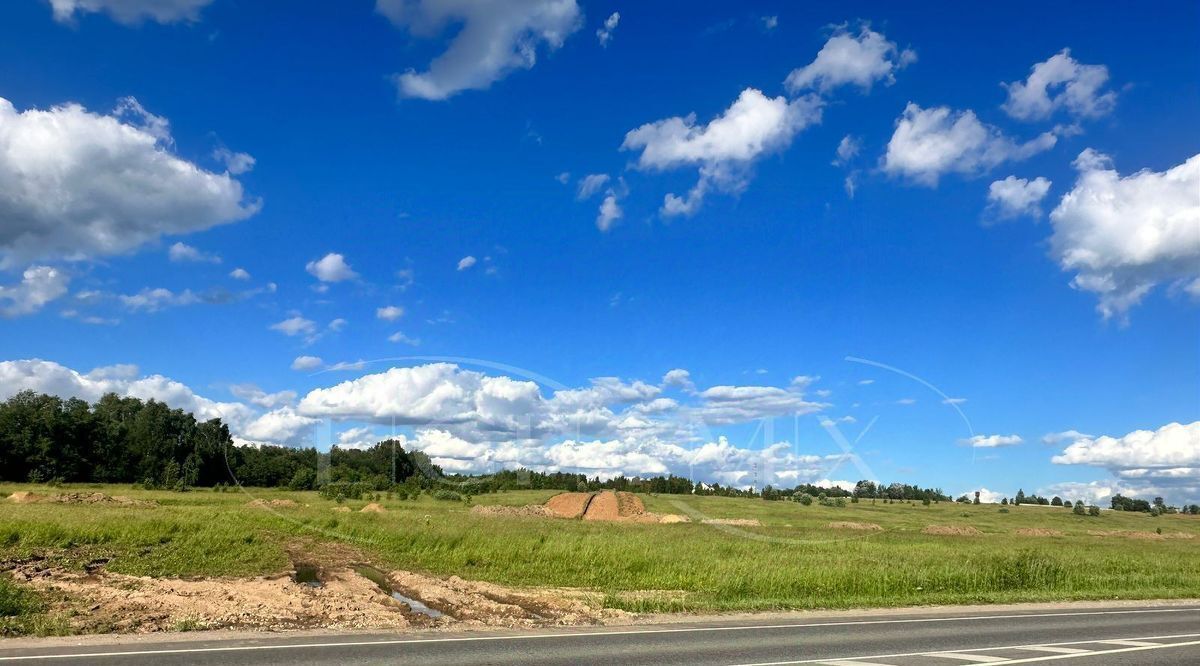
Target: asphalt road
{"x": 1082, "y": 636}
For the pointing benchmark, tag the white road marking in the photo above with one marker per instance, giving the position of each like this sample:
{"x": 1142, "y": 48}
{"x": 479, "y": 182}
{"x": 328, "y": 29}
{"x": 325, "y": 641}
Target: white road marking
{"x": 980, "y": 658}
{"x": 1129, "y": 643}
{"x": 853, "y": 662}
{"x": 630, "y": 632}
{"x": 860, "y": 659}
{"x": 1143, "y": 648}
{"x": 1059, "y": 650}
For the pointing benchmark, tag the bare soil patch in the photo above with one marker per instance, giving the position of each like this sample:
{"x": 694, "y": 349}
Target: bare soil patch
{"x": 1037, "y": 532}
{"x": 341, "y": 598}
{"x": 373, "y": 508}
{"x": 951, "y": 530}
{"x": 849, "y": 525}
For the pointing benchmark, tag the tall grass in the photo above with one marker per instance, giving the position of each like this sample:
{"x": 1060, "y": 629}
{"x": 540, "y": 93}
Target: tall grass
{"x": 793, "y": 561}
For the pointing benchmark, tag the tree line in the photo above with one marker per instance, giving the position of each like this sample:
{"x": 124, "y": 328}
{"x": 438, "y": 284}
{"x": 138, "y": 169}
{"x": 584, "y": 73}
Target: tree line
{"x": 47, "y": 439}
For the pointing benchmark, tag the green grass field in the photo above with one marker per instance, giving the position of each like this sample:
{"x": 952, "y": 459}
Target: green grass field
{"x": 794, "y": 561}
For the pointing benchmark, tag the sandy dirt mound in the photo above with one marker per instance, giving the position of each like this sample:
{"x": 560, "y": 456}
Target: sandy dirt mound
{"x": 736, "y": 522}
{"x": 100, "y": 498}
{"x": 569, "y": 505}
{"x": 272, "y": 504}
{"x": 630, "y": 505}
{"x": 607, "y": 506}
{"x": 604, "y": 506}
{"x": 951, "y": 530}
{"x": 373, "y": 508}
{"x": 1037, "y": 532}
{"x": 848, "y": 525}
{"x": 529, "y": 510}
{"x": 25, "y": 497}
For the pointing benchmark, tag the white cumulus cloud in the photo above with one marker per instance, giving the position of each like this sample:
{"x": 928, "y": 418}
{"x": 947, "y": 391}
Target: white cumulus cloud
{"x": 860, "y": 60}
{"x": 1060, "y": 83}
{"x": 1122, "y": 235}
{"x": 38, "y": 286}
{"x": 76, "y": 184}
{"x": 490, "y": 39}
{"x": 389, "y": 312}
{"x": 929, "y": 143}
{"x": 331, "y": 268}
{"x": 183, "y": 253}
{"x": 1014, "y": 196}
{"x": 604, "y": 32}
{"x": 725, "y": 148}
{"x": 991, "y": 441}
{"x": 307, "y": 363}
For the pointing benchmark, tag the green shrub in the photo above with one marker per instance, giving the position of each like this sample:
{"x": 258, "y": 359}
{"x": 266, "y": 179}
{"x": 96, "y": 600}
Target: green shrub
{"x": 450, "y": 495}
{"x": 15, "y": 600}
{"x": 346, "y": 489}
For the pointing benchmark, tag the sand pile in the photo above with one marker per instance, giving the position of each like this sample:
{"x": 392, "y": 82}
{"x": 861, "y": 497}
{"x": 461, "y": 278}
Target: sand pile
{"x": 848, "y": 525}
{"x": 951, "y": 530}
{"x": 25, "y": 497}
{"x": 373, "y": 508}
{"x": 1037, "y": 532}
{"x": 569, "y": 505}
{"x": 606, "y": 506}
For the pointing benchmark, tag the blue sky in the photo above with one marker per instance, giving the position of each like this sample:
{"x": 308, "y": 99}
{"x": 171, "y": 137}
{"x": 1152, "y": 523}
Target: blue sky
{"x": 1015, "y": 225}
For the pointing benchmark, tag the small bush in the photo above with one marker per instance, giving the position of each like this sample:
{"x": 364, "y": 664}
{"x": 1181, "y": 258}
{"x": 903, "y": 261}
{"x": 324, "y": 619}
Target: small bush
{"x": 449, "y": 495}
{"x": 1003, "y": 510}
{"x": 805, "y": 499}
{"x": 347, "y": 490}
{"x": 1079, "y": 509}
{"x": 1093, "y": 510}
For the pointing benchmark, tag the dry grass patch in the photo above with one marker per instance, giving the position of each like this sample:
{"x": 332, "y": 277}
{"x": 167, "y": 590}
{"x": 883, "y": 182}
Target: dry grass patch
{"x": 850, "y": 525}
{"x": 951, "y": 530}
{"x": 272, "y": 504}
{"x": 1037, "y": 532}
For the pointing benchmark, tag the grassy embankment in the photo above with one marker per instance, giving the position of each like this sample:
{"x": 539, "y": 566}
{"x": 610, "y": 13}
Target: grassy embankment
{"x": 793, "y": 561}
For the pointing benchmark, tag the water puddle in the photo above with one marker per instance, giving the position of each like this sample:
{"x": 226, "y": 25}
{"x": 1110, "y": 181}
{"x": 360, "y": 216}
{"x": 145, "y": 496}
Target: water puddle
{"x": 306, "y": 574}
{"x": 379, "y": 578}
